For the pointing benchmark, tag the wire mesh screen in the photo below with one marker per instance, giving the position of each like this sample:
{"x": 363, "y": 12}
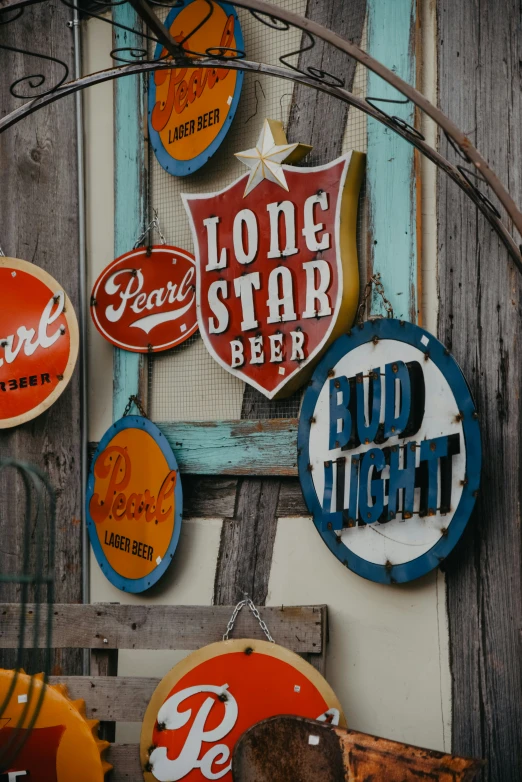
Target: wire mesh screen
{"x": 187, "y": 384}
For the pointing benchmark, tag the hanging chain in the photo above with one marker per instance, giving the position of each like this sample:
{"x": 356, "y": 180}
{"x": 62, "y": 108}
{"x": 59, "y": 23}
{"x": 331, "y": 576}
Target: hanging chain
{"x": 375, "y": 280}
{"x": 135, "y": 400}
{"x": 247, "y": 602}
{"x": 154, "y": 224}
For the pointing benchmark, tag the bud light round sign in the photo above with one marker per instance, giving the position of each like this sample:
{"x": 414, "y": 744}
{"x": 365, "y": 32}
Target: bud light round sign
{"x": 389, "y": 451}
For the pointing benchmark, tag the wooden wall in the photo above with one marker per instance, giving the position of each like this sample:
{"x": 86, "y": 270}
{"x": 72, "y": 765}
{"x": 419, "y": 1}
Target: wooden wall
{"x": 480, "y": 321}
{"x": 39, "y": 223}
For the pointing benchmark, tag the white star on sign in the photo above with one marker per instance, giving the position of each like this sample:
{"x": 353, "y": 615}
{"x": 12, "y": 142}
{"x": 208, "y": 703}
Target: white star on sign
{"x": 266, "y": 158}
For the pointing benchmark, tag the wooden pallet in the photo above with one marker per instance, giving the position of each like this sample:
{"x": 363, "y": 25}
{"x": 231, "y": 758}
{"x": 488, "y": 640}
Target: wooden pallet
{"x": 105, "y": 628}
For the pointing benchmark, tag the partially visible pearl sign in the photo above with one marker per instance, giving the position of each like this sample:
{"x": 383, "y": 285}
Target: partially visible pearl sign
{"x": 208, "y": 700}
{"x": 145, "y": 300}
{"x": 134, "y": 504}
{"x": 38, "y": 341}
{"x": 277, "y": 278}
{"x": 191, "y": 109}
{"x": 389, "y": 451}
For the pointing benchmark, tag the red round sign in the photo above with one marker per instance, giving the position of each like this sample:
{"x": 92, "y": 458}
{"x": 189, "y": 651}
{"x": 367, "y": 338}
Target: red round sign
{"x": 38, "y": 341}
{"x": 145, "y": 300}
{"x": 208, "y": 700}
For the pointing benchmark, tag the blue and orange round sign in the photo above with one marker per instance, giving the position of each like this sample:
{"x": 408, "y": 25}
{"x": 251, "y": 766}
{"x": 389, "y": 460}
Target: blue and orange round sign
{"x": 191, "y": 109}
{"x": 134, "y": 504}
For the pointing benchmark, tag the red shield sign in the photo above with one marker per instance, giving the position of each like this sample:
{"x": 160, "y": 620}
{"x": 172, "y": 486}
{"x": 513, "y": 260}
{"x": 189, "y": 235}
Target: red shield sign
{"x": 277, "y": 271}
{"x": 38, "y": 341}
{"x": 145, "y": 301}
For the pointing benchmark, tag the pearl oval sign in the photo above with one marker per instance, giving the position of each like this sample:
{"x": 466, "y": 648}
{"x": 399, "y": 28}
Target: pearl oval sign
{"x": 145, "y": 300}
{"x": 134, "y": 504}
{"x": 208, "y": 700}
{"x": 191, "y": 109}
{"x": 389, "y": 451}
{"x": 38, "y": 341}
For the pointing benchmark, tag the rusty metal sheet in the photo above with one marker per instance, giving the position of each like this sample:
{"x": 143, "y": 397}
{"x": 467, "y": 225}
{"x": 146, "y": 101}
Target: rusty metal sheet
{"x": 292, "y": 748}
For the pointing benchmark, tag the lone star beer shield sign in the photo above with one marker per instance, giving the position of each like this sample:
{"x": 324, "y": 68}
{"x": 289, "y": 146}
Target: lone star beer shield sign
{"x": 191, "y": 109}
{"x": 206, "y": 702}
{"x": 145, "y": 300}
{"x": 277, "y": 262}
{"x": 134, "y": 504}
{"x": 389, "y": 451}
{"x": 38, "y": 341}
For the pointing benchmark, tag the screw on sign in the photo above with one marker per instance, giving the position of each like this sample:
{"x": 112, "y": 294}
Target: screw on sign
{"x": 134, "y": 504}
{"x": 61, "y": 746}
{"x": 207, "y": 701}
{"x": 38, "y": 341}
{"x": 389, "y": 451}
{"x": 145, "y": 300}
{"x": 191, "y": 109}
{"x": 277, "y": 274}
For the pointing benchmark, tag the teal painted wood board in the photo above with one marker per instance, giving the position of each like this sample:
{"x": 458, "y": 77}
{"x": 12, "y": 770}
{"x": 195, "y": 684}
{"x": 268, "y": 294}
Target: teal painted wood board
{"x": 391, "y": 175}
{"x": 130, "y": 188}
{"x": 262, "y": 447}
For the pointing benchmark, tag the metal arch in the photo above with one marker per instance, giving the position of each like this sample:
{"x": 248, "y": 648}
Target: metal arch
{"x": 281, "y": 19}
{"x": 283, "y": 73}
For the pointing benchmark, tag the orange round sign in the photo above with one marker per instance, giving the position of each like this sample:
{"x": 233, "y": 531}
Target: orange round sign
{"x": 209, "y": 699}
{"x": 190, "y": 109}
{"x": 61, "y": 746}
{"x": 134, "y": 504}
{"x": 38, "y": 341}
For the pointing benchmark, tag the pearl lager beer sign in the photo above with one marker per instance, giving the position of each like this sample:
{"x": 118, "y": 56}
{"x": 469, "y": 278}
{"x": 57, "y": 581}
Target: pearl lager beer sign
{"x": 134, "y": 504}
{"x": 277, "y": 262}
{"x": 145, "y": 301}
{"x": 38, "y": 341}
{"x": 191, "y": 109}
{"x": 389, "y": 451}
{"x": 208, "y": 700}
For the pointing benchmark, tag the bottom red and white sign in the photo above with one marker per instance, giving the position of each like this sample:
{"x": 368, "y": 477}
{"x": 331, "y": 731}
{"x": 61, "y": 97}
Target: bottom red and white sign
{"x": 206, "y": 702}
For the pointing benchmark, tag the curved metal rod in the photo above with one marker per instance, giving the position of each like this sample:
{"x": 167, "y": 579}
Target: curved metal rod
{"x": 282, "y": 73}
{"x": 449, "y": 127}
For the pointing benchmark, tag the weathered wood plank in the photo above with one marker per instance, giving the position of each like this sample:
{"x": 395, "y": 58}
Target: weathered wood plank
{"x": 126, "y": 761}
{"x": 291, "y": 500}
{"x": 391, "y": 180}
{"x": 110, "y": 626}
{"x": 130, "y": 191}
{"x": 39, "y": 223}
{"x": 111, "y": 698}
{"x": 104, "y": 663}
{"x": 255, "y": 447}
{"x": 480, "y": 293}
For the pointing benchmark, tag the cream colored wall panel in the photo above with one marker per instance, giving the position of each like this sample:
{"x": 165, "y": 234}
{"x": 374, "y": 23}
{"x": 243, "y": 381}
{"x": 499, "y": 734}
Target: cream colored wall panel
{"x": 387, "y": 653}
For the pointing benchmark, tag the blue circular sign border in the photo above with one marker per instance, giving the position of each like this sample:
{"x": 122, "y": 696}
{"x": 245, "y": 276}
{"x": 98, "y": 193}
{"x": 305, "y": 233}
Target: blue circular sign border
{"x": 186, "y": 167}
{"x": 134, "y": 585}
{"x": 409, "y": 333}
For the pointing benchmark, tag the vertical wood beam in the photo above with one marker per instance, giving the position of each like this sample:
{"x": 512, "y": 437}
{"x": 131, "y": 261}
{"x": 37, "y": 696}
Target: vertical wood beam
{"x": 391, "y": 175}
{"x": 39, "y": 223}
{"x": 480, "y": 293}
{"x": 130, "y": 190}
{"x": 247, "y": 540}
